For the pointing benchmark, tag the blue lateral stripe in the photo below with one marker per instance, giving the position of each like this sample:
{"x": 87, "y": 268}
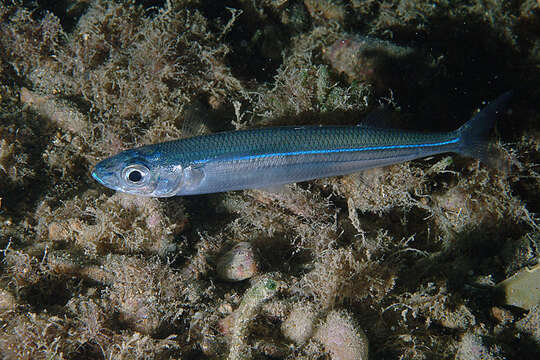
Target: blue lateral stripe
{"x": 330, "y": 151}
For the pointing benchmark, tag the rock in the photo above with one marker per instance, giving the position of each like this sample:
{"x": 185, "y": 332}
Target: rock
{"x": 238, "y": 264}
{"x": 522, "y": 289}
{"x": 299, "y": 325}
{"x": 342, "y": 337}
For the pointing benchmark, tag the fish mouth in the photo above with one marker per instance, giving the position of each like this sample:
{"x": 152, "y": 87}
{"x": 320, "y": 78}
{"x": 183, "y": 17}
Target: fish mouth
{"x": 96, "y": 177}
{"x": 105, "y": 178}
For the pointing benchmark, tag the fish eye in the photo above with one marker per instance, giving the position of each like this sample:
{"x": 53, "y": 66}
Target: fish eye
{"x": 135, "y": 174}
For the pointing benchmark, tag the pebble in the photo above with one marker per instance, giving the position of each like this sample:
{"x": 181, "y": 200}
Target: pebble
{"x": 342, "y": 337}
{"x": 238, "y": 264}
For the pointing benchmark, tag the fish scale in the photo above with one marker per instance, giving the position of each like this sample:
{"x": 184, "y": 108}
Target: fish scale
{"x": 286, "y": 140}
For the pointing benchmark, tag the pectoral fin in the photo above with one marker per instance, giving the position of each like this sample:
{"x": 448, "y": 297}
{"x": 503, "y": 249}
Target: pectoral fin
{"x": 193, "y": 176}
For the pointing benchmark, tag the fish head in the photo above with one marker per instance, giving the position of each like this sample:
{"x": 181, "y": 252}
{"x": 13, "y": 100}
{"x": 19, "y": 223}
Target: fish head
{"x": 139, "y": 172}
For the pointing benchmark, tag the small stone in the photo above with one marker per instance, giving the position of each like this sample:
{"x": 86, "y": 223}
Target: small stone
{"x": 238, "y": 264}
{"x": 522, "y": 289}
{"x": 342, "y": 337}
{"x": 299, "y": 325}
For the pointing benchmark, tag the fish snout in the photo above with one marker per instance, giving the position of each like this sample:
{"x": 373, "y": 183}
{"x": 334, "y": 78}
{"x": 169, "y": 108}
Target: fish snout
{"x": 105, "y": 177}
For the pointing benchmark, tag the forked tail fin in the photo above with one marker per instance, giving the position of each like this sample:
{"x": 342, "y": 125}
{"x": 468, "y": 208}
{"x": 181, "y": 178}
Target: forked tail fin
{"x": 474, "y": 133}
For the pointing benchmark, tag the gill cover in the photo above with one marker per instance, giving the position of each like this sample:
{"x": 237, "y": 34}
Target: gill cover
{"x": 192, "y": 179}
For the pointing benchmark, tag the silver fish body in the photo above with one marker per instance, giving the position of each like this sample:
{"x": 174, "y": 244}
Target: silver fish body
{"x": 268, "y": 157}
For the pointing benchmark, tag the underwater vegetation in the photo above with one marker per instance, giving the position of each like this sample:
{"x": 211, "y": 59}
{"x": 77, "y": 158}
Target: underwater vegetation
{"x": 436, "y": 258}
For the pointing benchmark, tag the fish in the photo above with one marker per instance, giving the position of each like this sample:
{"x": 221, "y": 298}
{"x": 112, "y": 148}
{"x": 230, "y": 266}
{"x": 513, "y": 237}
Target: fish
{"x": 271, "y": 157}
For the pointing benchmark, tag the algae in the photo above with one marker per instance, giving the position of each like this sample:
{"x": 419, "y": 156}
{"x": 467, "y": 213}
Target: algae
{"x": 403, "y": 259}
